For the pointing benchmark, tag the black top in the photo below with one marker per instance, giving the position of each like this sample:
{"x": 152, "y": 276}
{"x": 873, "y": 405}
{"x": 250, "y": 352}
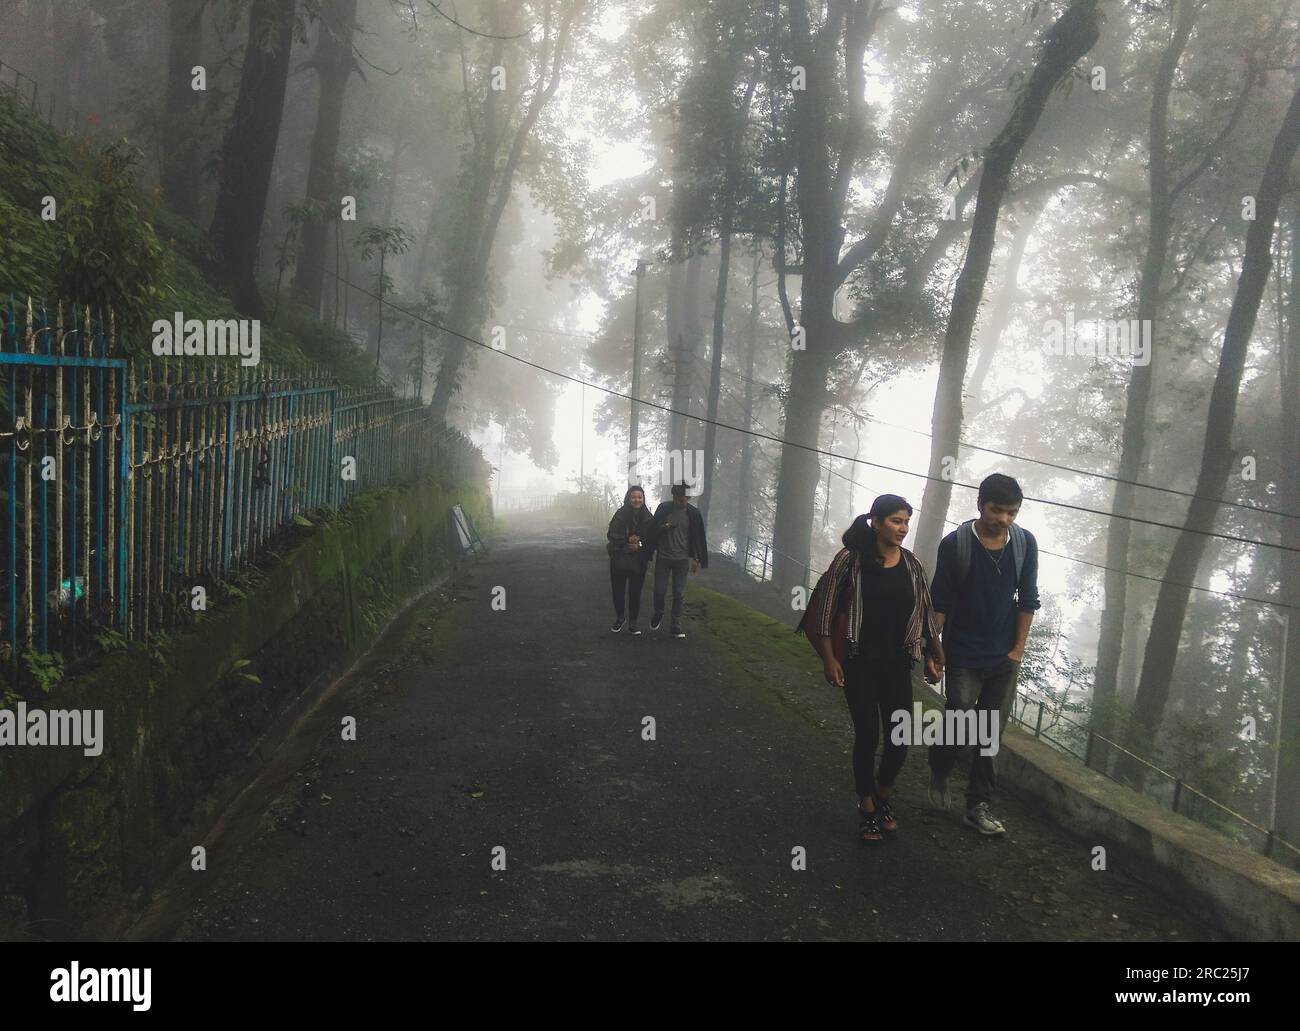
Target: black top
{"x": 886, "y": 608}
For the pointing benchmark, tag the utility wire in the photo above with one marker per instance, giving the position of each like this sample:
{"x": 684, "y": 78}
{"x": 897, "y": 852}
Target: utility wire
{"x": 1262, "y": 509}
{"x": 808, "y": 447}
{"x": 1057, "y": 554}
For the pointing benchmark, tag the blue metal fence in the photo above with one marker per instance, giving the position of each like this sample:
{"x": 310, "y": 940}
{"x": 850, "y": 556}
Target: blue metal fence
{"x": 129, "y": 484}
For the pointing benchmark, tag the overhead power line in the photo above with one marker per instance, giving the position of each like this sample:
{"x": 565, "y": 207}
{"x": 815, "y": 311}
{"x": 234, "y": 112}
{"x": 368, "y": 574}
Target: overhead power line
{"x": 1068, "y": 558}
{"x": 1233, "y": 538}
{"x": 1261, "y": 509}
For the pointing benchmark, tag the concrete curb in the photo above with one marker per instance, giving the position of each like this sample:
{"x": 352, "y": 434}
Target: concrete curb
{"x": 1246, "y": 894}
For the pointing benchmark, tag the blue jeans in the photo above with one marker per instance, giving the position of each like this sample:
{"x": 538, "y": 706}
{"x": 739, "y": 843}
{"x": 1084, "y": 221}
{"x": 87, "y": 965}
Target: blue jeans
{"x": 678, "y": 569}
{"x": 992, "y": 688}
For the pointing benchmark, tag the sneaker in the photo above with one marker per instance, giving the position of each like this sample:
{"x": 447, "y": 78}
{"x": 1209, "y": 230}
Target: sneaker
{"x": 656, "y": 621}
{"x": 885, "y": 816}
{"x": 616, "y": 626}
{"x": 634, "y": 630}
{"x": 940, "y": 796}
{"x": 678, "y": 632}
{"x": 982, "y": 820}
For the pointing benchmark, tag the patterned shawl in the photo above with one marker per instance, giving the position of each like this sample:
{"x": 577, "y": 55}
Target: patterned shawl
{"x": 847, "y": 568}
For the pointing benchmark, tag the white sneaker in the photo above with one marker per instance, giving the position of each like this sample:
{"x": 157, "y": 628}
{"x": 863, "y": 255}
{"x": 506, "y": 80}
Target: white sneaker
{"x": 982, "y": 820}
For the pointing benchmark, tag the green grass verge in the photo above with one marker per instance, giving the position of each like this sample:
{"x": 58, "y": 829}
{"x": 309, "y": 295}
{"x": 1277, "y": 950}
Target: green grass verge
{"x": 765, "y": 649}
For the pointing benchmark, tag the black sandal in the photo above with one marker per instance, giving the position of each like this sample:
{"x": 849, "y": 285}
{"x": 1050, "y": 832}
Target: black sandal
{"x": 869, "y": 827}
{"x": 885, "y": 813}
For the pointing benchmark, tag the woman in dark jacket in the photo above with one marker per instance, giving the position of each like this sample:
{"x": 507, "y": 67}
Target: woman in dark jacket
{"x": 630, "y": 535}
{"x": 870, "y": 619}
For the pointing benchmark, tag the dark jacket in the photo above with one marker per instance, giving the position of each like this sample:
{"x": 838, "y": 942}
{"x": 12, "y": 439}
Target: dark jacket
{"x": 697, "y": 547}
{"x": 622, "y": 525}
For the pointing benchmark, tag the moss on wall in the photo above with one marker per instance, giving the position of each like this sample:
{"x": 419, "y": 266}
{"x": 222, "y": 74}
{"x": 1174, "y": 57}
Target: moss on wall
{"x": 83, "y": 839}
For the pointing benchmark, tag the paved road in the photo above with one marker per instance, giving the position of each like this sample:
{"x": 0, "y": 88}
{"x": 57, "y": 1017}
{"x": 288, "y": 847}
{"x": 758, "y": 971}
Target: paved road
{"x": 523, "y": 729}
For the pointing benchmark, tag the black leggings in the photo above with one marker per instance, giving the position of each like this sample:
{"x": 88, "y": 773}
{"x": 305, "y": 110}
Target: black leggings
{"x": 630, "y": 583}
{"x": 875, "y": 689}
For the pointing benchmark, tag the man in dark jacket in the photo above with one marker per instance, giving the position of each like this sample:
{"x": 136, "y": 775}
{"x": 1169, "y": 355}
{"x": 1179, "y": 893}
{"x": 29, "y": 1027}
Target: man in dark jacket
{"x": 678, "y": 543}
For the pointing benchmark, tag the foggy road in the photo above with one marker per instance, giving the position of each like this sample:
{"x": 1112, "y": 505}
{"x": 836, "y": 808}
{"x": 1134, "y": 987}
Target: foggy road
{"x": 522, "y": 729}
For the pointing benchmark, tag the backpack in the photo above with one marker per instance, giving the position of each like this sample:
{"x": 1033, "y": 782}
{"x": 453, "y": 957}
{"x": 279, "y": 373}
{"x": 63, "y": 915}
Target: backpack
{"x": 1017, "y": 541}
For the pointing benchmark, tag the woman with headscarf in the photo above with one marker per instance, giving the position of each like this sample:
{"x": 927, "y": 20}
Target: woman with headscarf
{"x": 871, "y": 619}
{"x": 629, "y": 537}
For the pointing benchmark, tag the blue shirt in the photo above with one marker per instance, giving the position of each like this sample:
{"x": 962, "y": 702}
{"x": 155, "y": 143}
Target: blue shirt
{"x": 980, "y": 614}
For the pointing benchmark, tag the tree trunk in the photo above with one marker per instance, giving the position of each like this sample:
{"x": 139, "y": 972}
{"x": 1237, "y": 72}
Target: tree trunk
{"x": 1286, "y": 804}
{"x": 249, "y": 149}
{"x": 334, "y": 64}
{"x": 744, "y": 485}
{"x": 715, "y": 366}
{"x": 1133, "y": 439}
{"x": 1252, "y": 633}
{"x": 469, "y": 302}
{"x": 690, "y": 354}
{"x": 673, "y": 326}
{"x": 799, "y": 470}
{"x": 830, "y": 121}
{"x": 1217, "y": 454}
{"x": 1069, "y": 39}
{"x": 379, "y": 312}
{"x": 821, "y": 206}
{"x": 734, "y": 152}
{"x": 1000, "y": 313}
{"x": 179, "y": 176}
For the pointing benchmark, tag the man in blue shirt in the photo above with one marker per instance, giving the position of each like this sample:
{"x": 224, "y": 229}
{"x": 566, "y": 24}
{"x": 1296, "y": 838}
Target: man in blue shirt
{"x": 985, "y": 593}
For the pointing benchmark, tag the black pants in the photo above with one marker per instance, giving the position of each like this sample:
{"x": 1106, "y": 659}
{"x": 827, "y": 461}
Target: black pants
{"x": 875, "y": 689}
{"x": 631, "y": 583}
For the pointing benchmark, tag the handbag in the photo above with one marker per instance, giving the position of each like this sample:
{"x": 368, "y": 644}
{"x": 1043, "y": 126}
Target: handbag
{"x": 839, "y": 634}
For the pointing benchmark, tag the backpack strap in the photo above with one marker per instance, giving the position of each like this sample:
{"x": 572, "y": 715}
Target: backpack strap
{"x": 963, "y": 543}
{"x": 1019, "y": 546}
{"x": 1016, "y": 540}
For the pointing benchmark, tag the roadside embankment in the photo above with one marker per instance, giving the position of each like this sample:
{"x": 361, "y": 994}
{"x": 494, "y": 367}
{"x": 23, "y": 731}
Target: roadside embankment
{"x": 85, "y": 838}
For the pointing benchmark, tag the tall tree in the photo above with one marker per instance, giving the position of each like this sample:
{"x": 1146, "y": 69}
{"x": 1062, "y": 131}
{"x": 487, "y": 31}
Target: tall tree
{"x": 745, "y": 505}
{"x": 498, "y": 143}
{"x": 730, "y": 190}
{"x": 828, "y": 125}
{"x": 334, "y": 63}
{"x": 1072, "y": 36}
{"x": 1217, "y": 453}
{"x": 1286, "y": 804}
{"x": 180, "y": 155}
{"x": 248, "y": 152}
{"x": 1165, "y": 187}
